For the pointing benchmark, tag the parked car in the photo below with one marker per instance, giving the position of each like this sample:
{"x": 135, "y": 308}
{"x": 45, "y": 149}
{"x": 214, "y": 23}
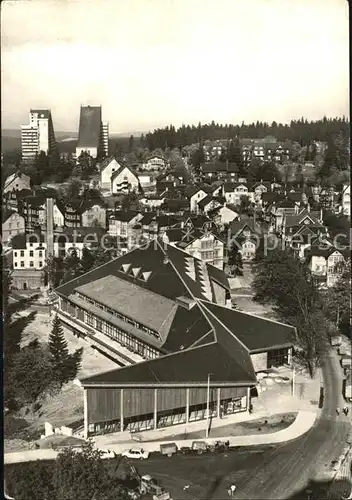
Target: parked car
{"x": 107, "y": 454}
{"x": 137, "y": 453}
{"x": 199, "y": 447}
{"x": 168, "y": 449}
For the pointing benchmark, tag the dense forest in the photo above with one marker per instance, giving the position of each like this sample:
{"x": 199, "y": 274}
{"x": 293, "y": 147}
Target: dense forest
{"x": 301, "y": 131}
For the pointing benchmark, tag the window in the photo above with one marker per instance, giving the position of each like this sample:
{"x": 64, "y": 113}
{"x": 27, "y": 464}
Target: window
{"x": 22, "y": 263}
{"x": 31, "y": 263}
{"x": 40, "y": 253}
{"x": 31, "y": 253}
{"x": 22, "y": 253}
{"x": 15, "y": 264}
{"x": 15, "y": 254}
{"x": 40, "y": 264}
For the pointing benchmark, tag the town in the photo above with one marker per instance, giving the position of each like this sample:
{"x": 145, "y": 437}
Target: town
{"x": 176, "y": 306}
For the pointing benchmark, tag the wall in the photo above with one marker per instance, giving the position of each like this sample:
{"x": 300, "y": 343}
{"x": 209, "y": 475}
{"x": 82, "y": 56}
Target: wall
{"x": 219, "y": 292}
{"x": 104, "y": 404}
{"x": 105, "y": 174}
{"x": 12, "y": 226}
{"x": 124, "y": 176}
{"x": 196, "y": 198}
{"x": 93, "y": 215}
{"x": 260, "y": 361}
{"x": 38, "y": 258}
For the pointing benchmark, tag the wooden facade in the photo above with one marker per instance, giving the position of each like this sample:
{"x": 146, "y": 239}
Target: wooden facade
{"x": 142, "y": 408}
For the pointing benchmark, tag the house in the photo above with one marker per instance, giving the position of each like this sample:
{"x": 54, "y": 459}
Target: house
{"x": 28, "y": 261}
{"x": 147, "y": 182}
{"x": 168, "y": 311}
{"x": 168, "y": 181}
{"x": 346, "y": 200}
{"x": 121, "y": 225}
{"x": 326, "y": 263}
{"x": 154, "y": 224}
{"x": 220, "y": 170}
{"x": 107, "y": 168}
{"x": 207, "y": 204}
{"x": 72, "y": 216}
{"x": 259, "y": 188}
{"x": 224, "y": 214}
{"x": 12, "y": 224}
{"x": 206, "y": 246}
{"x": 152, "y": 201}
{"x": 175, "y": 206}
{"x": 58, "y": 214}
{"x": 195, "y": 194}
{"x": 31, "y": 207}
{"x": 300, "y": 230}
{"x": 93, "y": 213}
{"x": 124, "y": 180}
{"x": 247, "y": 234}
{"x": 154, "y": 162}
{"x": 17, "y": 182}
{"x": 234, "y": 191}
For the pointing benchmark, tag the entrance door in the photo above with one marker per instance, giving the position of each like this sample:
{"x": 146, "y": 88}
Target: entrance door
{"x": 25, "y": 286}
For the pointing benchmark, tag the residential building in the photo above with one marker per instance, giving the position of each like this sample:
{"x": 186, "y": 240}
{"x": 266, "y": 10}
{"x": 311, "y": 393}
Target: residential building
{"x": 168, "y": 181}
{"x": 155, "y": 162}
{"x": 93, "y": 213}
{"x": 38, "y": 135}
{"x": 12, "y": 224}
{"x": 124, "y": 180}
{"x": 207, "y": 204}
{"x": 175, "y": 206}
{"x": 233, "y": 191}
{"x": 327, "y": 263}
{"x": 121, "y": 225}
{"x": 195, "y": 194}
{"x": 161, "y": 313}
{"x": 224, "y": 214}
{"x": 151, "y": 202}
{"x": 17, "y": 182}
{"x": 220, "y": 170}
{"x": 247, "y": 233}
{"x": 206, "y": 246}
{"x": 107, "y": 168}
{"x": 28, "y": 261}
{"x": 346, "y": 200}
{"x": 300, "y": 230}
{"x": 72, "y": 215}
{"x": 93, "y": 134}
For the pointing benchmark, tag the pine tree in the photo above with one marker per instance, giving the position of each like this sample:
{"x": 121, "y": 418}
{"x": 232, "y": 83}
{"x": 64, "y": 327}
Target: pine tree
{"x": 58, "y": 345}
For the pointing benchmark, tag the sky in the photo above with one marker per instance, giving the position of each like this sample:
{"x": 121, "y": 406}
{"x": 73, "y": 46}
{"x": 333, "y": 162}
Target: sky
{"x": 150, "y": 63}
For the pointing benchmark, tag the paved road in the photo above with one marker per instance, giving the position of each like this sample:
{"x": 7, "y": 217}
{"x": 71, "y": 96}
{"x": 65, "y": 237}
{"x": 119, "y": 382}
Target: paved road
{"x": 275, "y": 472}
{"x": 290, "y": 467}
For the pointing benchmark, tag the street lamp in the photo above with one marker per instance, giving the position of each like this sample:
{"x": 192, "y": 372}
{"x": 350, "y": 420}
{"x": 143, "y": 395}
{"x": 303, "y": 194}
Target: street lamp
{"x": 208, "y": 406}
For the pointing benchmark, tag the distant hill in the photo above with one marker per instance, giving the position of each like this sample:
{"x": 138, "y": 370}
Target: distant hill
{"x": 11, "y": 139}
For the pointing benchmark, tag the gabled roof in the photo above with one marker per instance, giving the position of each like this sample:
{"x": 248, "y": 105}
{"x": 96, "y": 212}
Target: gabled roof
{"x": 319, "y": 251}
{"x": 124, "y": 215}
{"x": 238, "y": 226}
{"x": 205, "y": 201}
{"x": 106, "y": 162}
{"x": 121, "y": 169}
{"x": 6, "y": 214}
{"x": 201, "y": 339}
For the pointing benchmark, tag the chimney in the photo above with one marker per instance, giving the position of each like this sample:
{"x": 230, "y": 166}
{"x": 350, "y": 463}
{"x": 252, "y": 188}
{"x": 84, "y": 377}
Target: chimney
{"x": 49, "y": 227}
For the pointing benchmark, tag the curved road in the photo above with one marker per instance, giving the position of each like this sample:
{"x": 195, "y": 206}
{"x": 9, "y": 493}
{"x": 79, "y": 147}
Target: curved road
{"x": 275, "y": 472}
{"x": 291, "y": 466}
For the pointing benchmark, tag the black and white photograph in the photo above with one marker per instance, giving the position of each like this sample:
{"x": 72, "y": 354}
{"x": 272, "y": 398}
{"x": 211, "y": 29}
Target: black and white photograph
{"x": 176, "y": 258}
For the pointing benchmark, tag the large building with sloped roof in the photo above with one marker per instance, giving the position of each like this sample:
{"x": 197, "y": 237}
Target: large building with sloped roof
{"x": 93, "y": 133}
{"x": 164, "y": 317}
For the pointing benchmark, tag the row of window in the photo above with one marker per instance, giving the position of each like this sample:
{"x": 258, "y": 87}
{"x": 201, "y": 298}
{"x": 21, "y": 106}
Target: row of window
{"x": 120, "y": 316}
{"x": 31, "y": 263}
{"x": 31, "y": 252}
{"x": 121, "y": 337}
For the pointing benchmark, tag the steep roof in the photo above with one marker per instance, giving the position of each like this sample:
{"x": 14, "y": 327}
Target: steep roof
{"x": 201, "y": 338}
{"x": 89, "y": 126}
{"x": 121, "y": 169}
